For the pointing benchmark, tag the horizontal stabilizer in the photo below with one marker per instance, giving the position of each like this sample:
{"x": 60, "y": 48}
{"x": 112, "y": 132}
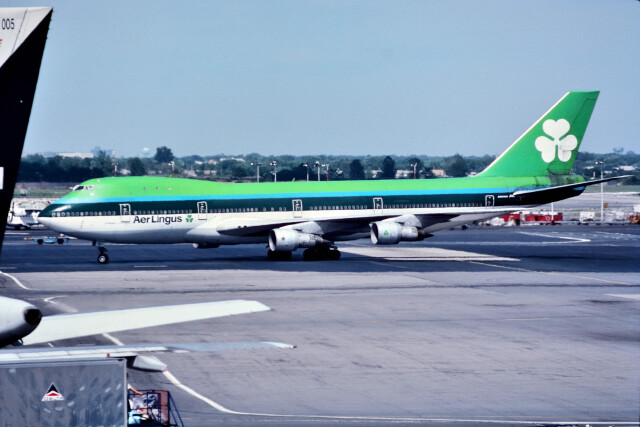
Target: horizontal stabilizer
{"x": 65, "y": 326}
{"x": 128, "y": 351}
{"x": 579, "y": 185}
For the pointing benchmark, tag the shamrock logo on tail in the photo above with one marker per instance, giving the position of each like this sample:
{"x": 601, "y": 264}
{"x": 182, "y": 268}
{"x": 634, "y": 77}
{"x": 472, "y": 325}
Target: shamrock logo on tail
{"x": 556, "y": 130}
{"x": 189, "y": 218}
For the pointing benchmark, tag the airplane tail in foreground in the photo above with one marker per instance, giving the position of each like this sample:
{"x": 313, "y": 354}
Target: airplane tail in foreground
{"x": 23, "y": 34}
{"x": 550, "y": 146}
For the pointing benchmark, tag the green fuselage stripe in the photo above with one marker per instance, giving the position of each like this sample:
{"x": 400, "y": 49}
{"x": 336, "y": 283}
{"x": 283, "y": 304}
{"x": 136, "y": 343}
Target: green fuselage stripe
{"x": 142, "y": 196}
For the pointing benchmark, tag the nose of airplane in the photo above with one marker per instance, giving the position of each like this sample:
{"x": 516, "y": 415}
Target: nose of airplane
{"x": 46, "y": 216}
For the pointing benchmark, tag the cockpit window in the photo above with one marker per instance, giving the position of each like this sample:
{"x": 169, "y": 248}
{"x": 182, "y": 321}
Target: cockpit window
{"x": 78, "y": 188}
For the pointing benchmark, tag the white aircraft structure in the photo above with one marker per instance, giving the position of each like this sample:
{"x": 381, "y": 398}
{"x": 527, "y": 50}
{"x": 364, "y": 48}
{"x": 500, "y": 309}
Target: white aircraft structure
{"x": 22, "y": 325}
{"x": 22, "y": 217}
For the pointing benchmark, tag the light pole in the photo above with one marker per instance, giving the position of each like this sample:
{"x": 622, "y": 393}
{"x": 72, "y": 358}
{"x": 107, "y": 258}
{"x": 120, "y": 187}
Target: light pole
{"x": 257, "y": 165}
{"x": 414, "y": 166}
{"x": 326, "y": 165}
{"x": 318, "y": 166}
{"x": 173, "y": 165}
{"x": 115, "y": 169}
{"x": 306, "y": 165}
{"x": 601, "y": 163}
{"x": 275, "y": 171}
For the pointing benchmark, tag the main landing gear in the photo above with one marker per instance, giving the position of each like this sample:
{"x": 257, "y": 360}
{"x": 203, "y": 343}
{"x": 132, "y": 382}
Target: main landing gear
{"x": 103, "y": 257}
{"x": 320, "y": 253}
{"x": 279, "y": 255}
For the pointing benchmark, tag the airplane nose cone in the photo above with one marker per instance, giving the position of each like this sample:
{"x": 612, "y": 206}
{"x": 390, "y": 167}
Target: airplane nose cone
{"x": 32, "y": 316}
{"x": 45, "y": 216}
{"x": 44, "y": 221}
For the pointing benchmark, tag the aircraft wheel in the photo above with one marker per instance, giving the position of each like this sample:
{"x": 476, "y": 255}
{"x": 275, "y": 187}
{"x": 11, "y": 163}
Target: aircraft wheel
{"x": 310, "y": 255}
{"x": 278, "y": 256}
{"x": 39, "y": 241}
{"x": 103, "y": 259}
{"x": 60, "y": 241}
{"x": 334, "y": 254}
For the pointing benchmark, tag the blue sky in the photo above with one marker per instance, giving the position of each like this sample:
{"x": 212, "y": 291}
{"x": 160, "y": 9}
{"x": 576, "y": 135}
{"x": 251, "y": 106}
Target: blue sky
{"x": 349, "y": 77}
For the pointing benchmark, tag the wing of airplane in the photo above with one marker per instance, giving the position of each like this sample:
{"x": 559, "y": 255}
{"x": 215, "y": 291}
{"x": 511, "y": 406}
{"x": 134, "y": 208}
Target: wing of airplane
{"x": 133, "y": 353}
{"x": 74, "y": 325}
{"x": 23, "y": 324}
{"x": 554, "y": 191}
{"x": 384, "y": 229}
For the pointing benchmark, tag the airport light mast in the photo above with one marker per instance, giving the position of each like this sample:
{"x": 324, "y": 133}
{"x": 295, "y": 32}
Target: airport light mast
{"x": 275, "y": 170}
{"x": 257, "y": 165}
{"x": 601, "y": 163}
{"x": 317, "y": 164}
{"x": 324, "y": 165}
{"x": 306, "y": 165}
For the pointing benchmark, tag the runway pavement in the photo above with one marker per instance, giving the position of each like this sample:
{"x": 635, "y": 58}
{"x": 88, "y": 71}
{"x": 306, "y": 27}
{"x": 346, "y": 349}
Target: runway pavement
{"x": 509, "y": 326}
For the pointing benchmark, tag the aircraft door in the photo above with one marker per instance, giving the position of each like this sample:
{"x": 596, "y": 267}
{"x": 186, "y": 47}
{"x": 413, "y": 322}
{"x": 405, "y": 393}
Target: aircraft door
{"x": 297, "y": 208}
{"x": 125, "y": 212}
{"x": 489, "y": 200}
{"x": 377, "y": 205}
{"x": 202, "y": 210}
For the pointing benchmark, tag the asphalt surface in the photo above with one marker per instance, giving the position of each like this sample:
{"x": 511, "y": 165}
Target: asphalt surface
{"x": 507, "y": 326}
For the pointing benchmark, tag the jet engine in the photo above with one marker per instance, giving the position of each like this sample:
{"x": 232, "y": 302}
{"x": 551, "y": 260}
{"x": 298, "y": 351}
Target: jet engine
{"x": 390, "y": 233}
{"x": 17, "y": 320}
{"x": 289, "y": 240}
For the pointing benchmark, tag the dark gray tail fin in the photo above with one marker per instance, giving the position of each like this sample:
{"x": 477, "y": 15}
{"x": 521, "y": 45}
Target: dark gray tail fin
{"x": 23, "y": 33}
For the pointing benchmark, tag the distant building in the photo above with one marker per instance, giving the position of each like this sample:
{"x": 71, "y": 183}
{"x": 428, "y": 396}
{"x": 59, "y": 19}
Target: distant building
{"x": 108, "y": 151}
{"x": 76, "y": 155}
{"x": 404, "y": 173}
{"x": 439, "y": 173}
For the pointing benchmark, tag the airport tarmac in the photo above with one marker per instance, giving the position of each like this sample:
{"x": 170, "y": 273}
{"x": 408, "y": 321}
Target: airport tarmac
{"x": 508, "y": 326}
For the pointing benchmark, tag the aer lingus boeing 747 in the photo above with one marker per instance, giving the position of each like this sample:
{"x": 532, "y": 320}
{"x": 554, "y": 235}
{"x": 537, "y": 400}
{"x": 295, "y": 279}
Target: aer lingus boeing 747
{"x": 534, "y": 170}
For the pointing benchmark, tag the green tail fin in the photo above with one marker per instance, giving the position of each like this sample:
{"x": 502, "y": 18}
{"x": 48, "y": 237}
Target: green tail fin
{"x": 550, "y": 146}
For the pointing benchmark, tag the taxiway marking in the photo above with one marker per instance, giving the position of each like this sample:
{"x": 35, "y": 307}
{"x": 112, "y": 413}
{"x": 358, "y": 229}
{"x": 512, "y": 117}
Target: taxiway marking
{"x": 440, "y": 418}
{"x": 552, "y": 273}
{"x": 573, "y": 239}
{"x": 628, "y": 296}
{"x": 15, "y": 279}
{"x": 422, "y": 254}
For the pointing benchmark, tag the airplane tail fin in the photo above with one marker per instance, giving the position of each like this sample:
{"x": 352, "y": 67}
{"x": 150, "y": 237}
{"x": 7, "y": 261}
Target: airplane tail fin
{"x": 550, "y": 145}
{"x": 23, "y": 33}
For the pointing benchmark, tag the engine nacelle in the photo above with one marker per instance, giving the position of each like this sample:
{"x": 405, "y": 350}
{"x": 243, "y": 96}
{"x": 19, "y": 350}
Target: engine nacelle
{"x": 390, "y": 233}
{"x": 17, "y": 320}
{"x": 289, "y": 240}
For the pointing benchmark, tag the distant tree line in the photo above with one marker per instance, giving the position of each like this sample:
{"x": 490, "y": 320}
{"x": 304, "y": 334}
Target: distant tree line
{"x": 245, "y": 168}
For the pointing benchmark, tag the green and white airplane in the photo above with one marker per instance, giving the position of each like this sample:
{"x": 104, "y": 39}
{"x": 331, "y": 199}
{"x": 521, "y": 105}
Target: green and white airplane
{"x": 534, "y": 170}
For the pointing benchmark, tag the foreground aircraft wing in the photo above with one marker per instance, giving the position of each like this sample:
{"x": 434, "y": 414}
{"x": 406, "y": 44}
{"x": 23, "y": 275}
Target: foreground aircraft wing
{"x": 132, "y": 352}
{"x": 23, "y": 323}
{"x": 74, "y": 325}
